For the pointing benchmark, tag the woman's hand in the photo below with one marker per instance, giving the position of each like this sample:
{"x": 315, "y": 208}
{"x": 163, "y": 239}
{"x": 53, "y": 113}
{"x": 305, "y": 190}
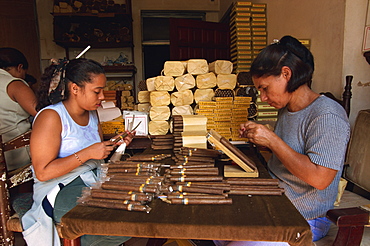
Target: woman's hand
{"x": 257, "y": 133}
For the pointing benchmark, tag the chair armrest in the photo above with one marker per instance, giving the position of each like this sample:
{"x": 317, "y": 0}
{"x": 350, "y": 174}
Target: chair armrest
{"x": 348, "y": 217}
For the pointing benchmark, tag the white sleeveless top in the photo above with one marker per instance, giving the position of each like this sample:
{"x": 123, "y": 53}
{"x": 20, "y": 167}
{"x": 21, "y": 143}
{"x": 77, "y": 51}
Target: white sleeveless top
{"x": 74, "y": 136}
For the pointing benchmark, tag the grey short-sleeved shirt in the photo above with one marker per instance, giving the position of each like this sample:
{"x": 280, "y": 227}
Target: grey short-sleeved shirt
{"x": 321, "y": 131}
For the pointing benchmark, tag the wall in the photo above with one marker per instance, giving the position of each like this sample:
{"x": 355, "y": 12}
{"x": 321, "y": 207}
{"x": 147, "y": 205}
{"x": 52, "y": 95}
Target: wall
{"x": 353, "y": 61}
{"x": 334, "y": 27}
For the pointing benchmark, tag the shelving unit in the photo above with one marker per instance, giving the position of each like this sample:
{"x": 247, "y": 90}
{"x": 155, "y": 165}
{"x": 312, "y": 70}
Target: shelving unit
{"x": 102, "y": 26}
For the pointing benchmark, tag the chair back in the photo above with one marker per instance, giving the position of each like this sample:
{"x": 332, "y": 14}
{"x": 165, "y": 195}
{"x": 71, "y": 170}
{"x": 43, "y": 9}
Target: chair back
{"x": 8, "y": 180}
{"x": 357, "y": 170}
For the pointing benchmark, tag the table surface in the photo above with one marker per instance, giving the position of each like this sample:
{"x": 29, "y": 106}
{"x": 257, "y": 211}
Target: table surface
{"x": 253, "y": 218}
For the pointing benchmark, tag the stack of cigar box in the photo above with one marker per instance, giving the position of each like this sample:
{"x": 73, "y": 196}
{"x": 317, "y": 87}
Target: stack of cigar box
{"x": 248, "y": 33}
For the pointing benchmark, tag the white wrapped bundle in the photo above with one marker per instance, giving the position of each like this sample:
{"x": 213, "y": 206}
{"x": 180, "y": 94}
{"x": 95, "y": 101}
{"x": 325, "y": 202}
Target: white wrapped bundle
{"x": 160, "y": 98}
{"x": 143, "y": 107}
{"x": 185, "y": 82}
{"x": 158, "y": 127}
{"x": 197, "y": 66}
{"x": 206, "y": 81}
{"x": 226, "y": 81}
{"x": 150, "y": 84}
{"x": 203, "y": 95}
{"x": 182, "y": 110}
{"x": 159, "y": 113}
{"x": 173, "y": 68}
{"x": 221, "y": 67}
{"x": 143, "y": 96}
{"x": 181, "y": 98}
{"x": 164, "y": 83}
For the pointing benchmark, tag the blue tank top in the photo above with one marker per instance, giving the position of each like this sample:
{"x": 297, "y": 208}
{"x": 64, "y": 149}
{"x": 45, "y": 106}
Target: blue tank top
{"x": 74, "y": 136}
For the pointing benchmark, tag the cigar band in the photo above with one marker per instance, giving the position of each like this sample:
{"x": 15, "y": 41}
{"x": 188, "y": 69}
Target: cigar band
{"x": 186, "y": 159}
{"x": 137, "y": 171}
{"x": 153, "y": 158}
{"x": 182, "y": 171}
{"x": 179, "y": 188}
{"x": 141, "y": 188}
{"x": 190, "y": 152}
{"x": 182, "y": 178}
{"x": 138, "y": 165}
{"x": 129, "y": 207}
{"x": 133, "y": 197}
{"x": 185, "y": 201}
{"x": 188, "y": 184}
{"x": 180, "y": 196}
{"x": 130, "y": 192}
{"x": 126, "y": 202}
{"x": 147, "y": 181}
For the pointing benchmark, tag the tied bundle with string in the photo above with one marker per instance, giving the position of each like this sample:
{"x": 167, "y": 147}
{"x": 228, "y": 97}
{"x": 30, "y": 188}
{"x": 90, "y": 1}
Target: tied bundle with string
{"x": 57, "y": 85}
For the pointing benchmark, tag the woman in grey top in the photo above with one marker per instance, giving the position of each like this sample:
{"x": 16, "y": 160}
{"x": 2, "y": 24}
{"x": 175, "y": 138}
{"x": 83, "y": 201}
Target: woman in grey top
{"x": 310, "y": 136}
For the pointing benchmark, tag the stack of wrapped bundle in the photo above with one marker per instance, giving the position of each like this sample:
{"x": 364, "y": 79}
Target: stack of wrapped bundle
{"x": 129, "y": 185}
{"x": 189, "y": 131}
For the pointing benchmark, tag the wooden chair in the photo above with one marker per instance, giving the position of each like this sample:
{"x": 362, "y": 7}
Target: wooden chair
{"x": 346, "y": 96}
{"x": 9, "y": 182}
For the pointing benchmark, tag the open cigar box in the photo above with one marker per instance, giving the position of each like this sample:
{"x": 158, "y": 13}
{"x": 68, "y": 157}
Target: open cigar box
{"x": 245, "y": 168}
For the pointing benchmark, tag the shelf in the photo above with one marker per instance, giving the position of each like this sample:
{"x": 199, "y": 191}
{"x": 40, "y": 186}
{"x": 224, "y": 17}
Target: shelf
{"x": 106, "y": 45}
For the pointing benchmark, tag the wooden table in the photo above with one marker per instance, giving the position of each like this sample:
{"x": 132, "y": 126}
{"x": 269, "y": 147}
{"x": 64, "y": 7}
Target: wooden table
{"x": 255, "y": 218}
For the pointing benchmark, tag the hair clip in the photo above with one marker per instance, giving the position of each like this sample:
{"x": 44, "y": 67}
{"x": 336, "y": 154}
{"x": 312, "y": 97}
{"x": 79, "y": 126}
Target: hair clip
{"x": 275, "y": 41}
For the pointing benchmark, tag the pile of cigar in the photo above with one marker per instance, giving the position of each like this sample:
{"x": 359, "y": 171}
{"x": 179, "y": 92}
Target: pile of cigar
{"x": 194, "y": 179}
{"x": 129, "y": 185}
{"x": 177, "y": 129}
{"x": 161, "y": 142}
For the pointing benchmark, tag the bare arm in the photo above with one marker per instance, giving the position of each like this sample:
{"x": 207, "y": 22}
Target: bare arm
{"x": 45, "y": 145}
{"x": 298, "y": 164}
{"x": 23, "y": 95}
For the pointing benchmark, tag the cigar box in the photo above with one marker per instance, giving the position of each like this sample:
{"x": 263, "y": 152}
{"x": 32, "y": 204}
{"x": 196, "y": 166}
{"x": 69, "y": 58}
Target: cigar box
{"x": 244, "y": 168}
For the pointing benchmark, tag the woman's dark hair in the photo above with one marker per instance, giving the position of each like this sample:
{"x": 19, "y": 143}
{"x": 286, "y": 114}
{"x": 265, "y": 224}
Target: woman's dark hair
{"x": 11, "y": 57}
{"x": 78, "y": 71}
{"x": 287, "y": 52}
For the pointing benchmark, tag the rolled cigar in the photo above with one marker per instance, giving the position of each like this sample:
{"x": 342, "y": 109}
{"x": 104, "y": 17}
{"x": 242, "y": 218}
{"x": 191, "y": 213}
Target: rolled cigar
{"x": 191, "y": 166}
{"x": 186, "y": 158}
{"x": 199, "y": 169}
{"x": 256, "y": 192}
{"x": 196, "y": 173}
{"x": 137, "y": 173}
{"x": 120, "y": 195}
{"x": 105, "y": 200}
{"x": 199, "y": 152}
{"x": 238, "y": 153}
{"x": 129, "y": 207}
{"x": 251, "y": 187}
{"x": 195, "y": 178}
{"x": 161, "y": 136}
{"x": 252, "y": 181}
{"x": 159, "y": 147}
{"x": 157, "y": 140}
{"x": 187, "y": 201}
{"x": 136, "y": 165}
{"x": 108, "y": 185}
{"x": 143, "y": 179}
{"x": 222, "y": 183}
{"x": 191, "y": 163}
{"x": 130, "y": 170}
{"x": 163, "y": 143}
{"x": 206, "y": 196}
{"x": 195, "y": 185}
{"x": 181, "y": 188}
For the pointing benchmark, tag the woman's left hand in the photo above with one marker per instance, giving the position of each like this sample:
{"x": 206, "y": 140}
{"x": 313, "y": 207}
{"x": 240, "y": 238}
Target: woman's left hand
{"x": 127, "y": 139}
